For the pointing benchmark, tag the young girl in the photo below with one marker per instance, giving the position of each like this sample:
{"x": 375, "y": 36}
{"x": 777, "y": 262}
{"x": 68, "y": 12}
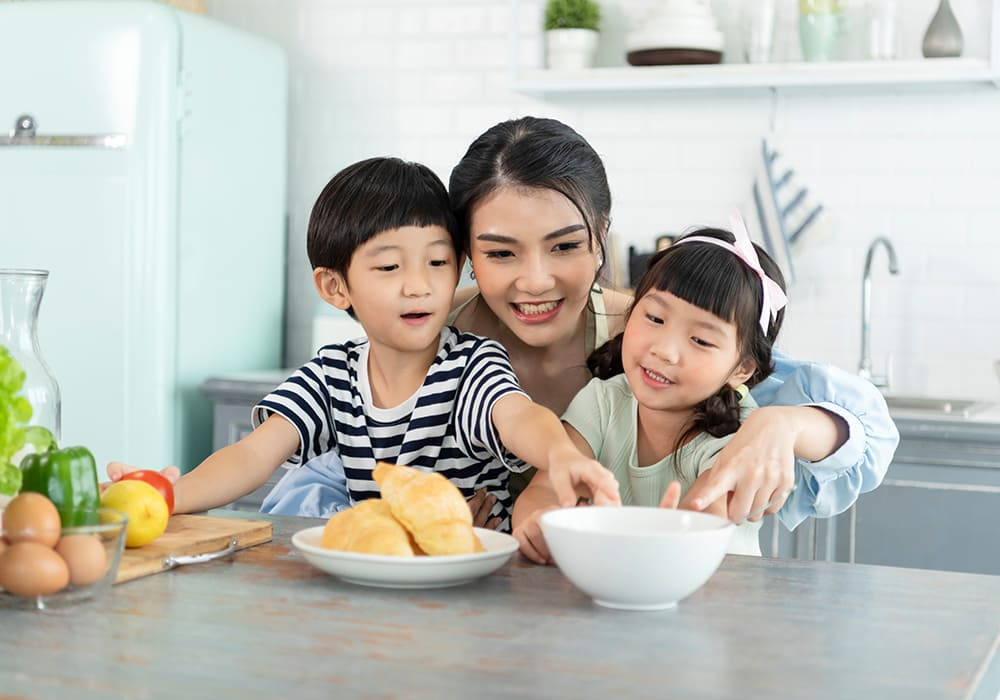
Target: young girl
{"x": 672, "y": 388}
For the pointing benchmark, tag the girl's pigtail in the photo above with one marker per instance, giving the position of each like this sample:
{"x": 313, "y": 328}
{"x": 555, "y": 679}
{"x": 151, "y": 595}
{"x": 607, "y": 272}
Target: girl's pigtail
{"x": 606, "y": 361}
{"x": 719, "y": 414}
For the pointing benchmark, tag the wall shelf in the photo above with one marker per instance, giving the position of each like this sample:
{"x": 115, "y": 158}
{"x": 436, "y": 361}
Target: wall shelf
{"x": 767, "y": 75}
{"x": 980, "y": 69}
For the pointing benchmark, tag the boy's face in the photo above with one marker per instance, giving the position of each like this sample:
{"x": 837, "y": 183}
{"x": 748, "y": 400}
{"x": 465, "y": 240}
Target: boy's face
{"x": 401, "y": 284}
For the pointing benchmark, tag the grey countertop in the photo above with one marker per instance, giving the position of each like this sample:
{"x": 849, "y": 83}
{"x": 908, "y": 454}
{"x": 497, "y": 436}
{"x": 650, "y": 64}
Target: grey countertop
{"x": 267, "y": 625}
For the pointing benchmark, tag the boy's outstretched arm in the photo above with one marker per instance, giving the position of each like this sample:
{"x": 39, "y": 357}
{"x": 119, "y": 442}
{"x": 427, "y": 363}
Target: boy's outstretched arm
{"x": 536, "y": 435}
{"x": 233, "y": 471}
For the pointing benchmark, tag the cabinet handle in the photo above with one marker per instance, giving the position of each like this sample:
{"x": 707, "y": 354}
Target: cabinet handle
{"x": 940, "y": 486}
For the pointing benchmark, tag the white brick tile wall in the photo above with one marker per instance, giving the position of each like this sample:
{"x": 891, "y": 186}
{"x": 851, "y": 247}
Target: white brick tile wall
{"x": 422, "y": 78}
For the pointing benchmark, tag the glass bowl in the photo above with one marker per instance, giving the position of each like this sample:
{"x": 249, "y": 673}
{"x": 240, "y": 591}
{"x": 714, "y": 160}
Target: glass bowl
{"x": 91, "y": 553}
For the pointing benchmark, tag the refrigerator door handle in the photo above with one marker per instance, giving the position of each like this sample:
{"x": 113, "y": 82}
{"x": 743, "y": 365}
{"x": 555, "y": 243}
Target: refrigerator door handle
{"x": 24, "y": 134}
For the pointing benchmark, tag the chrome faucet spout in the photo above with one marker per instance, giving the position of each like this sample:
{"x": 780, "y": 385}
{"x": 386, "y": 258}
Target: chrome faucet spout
{"x": 865, "y": 365}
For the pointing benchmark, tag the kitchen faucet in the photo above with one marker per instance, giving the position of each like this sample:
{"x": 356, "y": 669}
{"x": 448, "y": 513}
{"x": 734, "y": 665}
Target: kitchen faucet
{"x": 865, "y": 367}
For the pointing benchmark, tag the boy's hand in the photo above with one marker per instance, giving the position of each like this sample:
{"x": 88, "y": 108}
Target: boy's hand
{"x": 574, "y": 470}
{"x": 116, "y": 470}
{"x": 529, "y": 536}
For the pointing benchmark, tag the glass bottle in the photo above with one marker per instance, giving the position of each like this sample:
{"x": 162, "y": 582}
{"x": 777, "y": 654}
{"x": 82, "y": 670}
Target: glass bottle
{"x": 20, "y": 298}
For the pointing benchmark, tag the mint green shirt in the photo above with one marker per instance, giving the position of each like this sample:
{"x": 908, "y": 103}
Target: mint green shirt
{"x": 605, "y": 413}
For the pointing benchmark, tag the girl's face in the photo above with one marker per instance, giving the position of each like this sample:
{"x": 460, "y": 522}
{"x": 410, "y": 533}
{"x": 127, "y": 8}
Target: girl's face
{"x": 676, "y": 355}
{"x": 534, "y": 262}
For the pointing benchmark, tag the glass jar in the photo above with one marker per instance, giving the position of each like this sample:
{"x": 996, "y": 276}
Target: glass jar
{"x": 20, "y": 298}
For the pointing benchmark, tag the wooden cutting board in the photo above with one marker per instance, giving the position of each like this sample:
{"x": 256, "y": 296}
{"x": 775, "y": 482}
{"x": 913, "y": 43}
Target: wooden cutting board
{"x": 187, "y": 535}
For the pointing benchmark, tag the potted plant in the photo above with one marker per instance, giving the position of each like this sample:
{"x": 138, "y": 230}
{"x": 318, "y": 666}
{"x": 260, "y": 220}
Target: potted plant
{"x": 571, "y": 31}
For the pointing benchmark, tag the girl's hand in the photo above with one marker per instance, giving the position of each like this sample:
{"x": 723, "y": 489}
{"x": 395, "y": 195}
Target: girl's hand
{"x": 757, "y": 466}
{"x": 672, "y": 496}
{"x": 529, "y": 536}
{"x": 481, "y": 504}
{"x": 116, "y": 470}
{"x": 575, "y": 470}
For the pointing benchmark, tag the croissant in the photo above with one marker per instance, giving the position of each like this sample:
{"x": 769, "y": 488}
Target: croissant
{"x": 368, "y": 528}
{"x": 430, "y": 507}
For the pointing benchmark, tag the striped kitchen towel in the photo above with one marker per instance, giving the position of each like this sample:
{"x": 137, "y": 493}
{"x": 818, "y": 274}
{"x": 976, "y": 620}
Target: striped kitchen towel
{"x": 785, "y": 209}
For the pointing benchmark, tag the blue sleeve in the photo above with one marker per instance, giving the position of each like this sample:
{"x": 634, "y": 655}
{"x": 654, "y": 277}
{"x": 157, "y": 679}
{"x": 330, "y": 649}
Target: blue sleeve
{"x": 832, "y": 485}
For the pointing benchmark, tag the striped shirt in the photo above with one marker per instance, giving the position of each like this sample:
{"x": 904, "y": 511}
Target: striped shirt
{"x": 446, "y": 426}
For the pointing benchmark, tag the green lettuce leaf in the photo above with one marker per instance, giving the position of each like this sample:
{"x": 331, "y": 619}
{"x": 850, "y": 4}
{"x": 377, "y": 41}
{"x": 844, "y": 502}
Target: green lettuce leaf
{"x": 15, "y": 412}
{"x": 10, "y": 480}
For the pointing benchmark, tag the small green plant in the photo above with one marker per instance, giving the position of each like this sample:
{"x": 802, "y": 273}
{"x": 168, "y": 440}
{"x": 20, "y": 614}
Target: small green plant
{"x": 572, "y": 14}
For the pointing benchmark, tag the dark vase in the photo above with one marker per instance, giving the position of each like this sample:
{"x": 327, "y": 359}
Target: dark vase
{"x": 943, "y": 38}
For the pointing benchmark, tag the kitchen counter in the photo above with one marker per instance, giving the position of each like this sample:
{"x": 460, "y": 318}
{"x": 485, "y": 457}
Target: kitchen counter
{"x": 268, "y": 625}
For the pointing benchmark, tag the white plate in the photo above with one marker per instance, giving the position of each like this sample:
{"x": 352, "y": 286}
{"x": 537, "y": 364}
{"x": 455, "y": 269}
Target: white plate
{"x": 406, "y": 572}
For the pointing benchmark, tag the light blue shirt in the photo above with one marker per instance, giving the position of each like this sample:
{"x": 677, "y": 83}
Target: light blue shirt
{"x": 832, "y": 485}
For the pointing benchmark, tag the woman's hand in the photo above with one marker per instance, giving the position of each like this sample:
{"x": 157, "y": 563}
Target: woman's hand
{"x": 116, "y": 470}
{"x": 481, "y": 504}
{"x": 529, "y": 536}
{"x": 757, "y": 466}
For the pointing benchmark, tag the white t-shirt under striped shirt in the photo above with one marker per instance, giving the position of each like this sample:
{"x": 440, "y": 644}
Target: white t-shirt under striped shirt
{"x": 446, "y": 426}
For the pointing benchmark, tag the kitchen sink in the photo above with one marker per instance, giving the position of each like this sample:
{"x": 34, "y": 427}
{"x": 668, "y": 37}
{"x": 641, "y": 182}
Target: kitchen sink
{"x": 932, "y": 405}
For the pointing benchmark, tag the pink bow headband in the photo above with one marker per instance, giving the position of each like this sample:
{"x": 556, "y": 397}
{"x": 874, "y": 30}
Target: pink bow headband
{"x": 774, "y": 297}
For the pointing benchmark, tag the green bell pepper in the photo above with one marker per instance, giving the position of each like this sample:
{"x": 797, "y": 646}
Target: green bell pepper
{"x": 68, "y": 477}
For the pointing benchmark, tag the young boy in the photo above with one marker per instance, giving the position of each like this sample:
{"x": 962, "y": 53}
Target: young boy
{"x": 385, "y": 246}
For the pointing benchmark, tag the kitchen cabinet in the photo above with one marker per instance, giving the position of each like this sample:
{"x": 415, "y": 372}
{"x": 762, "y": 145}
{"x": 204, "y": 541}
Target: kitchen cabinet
{"x": 233, "y": 397}
{"x": 527, "y": 75}
{"x": 936, "y": 508}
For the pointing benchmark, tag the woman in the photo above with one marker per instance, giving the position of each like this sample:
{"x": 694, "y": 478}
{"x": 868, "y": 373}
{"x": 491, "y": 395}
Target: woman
{"x": 535, "y": 202}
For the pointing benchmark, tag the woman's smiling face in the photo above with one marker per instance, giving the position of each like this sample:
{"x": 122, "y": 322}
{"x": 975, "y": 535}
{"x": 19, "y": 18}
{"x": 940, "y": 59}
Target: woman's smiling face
{"x": 534, "y": 262}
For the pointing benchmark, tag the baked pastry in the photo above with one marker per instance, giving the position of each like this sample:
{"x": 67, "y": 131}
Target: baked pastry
{"x": 430, "y": 507}
{"x": 368, "y": 528}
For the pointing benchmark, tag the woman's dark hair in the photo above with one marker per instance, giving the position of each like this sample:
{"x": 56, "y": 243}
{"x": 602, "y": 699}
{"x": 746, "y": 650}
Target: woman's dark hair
{"x": 533, "y": 154}
{"x": 714, "y": 279}
{"x": 372, "y": 196}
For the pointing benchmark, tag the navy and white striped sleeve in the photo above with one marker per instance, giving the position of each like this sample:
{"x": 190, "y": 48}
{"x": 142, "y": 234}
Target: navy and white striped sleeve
{"x": 304, "y": 401}
{"x": 488, "y": 377}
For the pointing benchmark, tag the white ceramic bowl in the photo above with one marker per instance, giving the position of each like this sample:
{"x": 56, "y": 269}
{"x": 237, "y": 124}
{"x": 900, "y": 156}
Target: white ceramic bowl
{"x": 636, "y": 558}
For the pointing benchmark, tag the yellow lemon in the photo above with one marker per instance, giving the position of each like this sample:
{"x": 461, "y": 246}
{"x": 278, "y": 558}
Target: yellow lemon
{"x": 145, "y": 507}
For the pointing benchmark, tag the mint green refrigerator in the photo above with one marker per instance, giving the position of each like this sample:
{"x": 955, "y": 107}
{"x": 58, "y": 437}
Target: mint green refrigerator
{"x": 142, "y": 162}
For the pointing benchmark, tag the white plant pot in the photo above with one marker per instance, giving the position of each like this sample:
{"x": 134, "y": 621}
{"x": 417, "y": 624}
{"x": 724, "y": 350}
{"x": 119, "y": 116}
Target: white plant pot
{"x": 568, "y": 49}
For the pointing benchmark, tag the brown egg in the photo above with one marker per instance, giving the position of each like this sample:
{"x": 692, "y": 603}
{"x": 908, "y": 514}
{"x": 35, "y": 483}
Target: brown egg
{"x": 30, "y": 569}
{"x": 31, "y": 517}
{"x": 85, "y": 557}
